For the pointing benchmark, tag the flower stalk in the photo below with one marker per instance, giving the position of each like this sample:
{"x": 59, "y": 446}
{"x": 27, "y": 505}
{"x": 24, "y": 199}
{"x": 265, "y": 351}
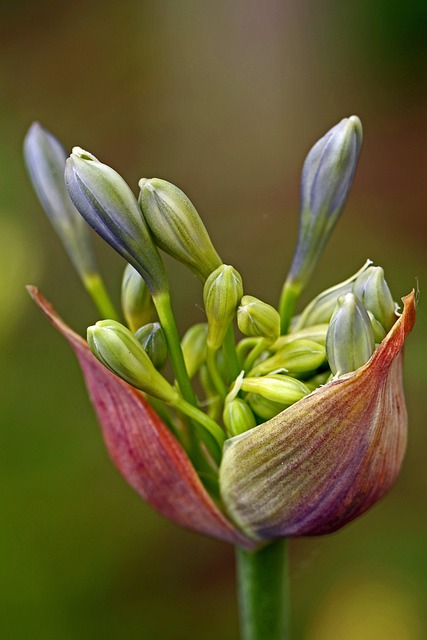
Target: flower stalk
{"x": 296, "y": 428}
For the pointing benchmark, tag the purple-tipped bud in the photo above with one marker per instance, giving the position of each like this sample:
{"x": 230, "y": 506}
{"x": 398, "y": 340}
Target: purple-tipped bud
{"x": 45, "y": 159}
{"x": 327, "y": 177}
{"x": 107, "y": 203}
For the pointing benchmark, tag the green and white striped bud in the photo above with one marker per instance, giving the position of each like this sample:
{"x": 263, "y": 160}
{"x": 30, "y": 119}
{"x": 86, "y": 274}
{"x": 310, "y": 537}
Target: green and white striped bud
{"x": 258, "y": 319}
{"x": 222, "y": 293}
{"x": 321, "y": 308}
{"x": 193, "y": 347}
{"x": 118, "y": 349}
{"x": 263, "y": 408}
{"x": 137, "y": 303}
{"x": 372, "y": 289}
{"x": 316, "y": 333}
{"x": 296, "y": 357}
{"x": 176, "y": 226}
{"x": 350, "y": 339}
{"x": 153, "y": 341}
{"x": 276, "y": 387}
{"x": 378, "y": 329}
{"x": 238, "y": 417}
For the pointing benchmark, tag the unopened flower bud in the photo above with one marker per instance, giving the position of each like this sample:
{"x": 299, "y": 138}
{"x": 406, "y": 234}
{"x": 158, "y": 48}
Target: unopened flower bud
{"x": 316, "y": 333}
{"x": 153, "y": 341}
{"x": 276, "y": 387}
{"x": 176, "y": 226}
{"x": 321, "y": 308}
{"x": 350, "y": 338}
{"x": 137, "y": 303}
{"x": 107, "y": 203}
{"x": 259, "y": 319}
{"x": 193, "y": 347}
{"x": 372, "y": 289}
{"x": 118, "y": 349}
{"x": 222, "y": 293}
{"x": 263, "y": 408}
{"x": 45, "y": 159}
{"x": 297, "y": 357}
{"x": 327, "y": 176}
{"x": 238, "y": 417}
{"x": 378, "y": 329}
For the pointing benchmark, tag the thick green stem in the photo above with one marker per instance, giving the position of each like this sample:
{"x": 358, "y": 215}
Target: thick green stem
{"x": 263, "y": 590}
{"x": 95, "y": 287}
{"x": 214, "y": 373}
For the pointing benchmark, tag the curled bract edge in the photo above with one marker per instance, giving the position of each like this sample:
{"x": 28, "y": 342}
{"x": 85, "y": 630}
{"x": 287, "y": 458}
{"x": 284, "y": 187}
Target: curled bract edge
{"x": 308, "y": 471}
{"x": 146, "y": 453}
{"x": 328, "y": 458}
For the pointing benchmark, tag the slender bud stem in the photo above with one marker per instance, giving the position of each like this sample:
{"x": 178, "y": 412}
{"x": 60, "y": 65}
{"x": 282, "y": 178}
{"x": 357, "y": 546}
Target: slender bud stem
{"x": 167, "y": 320}
{"x": 214, "y": 373}
{"x": 95, "y": 287}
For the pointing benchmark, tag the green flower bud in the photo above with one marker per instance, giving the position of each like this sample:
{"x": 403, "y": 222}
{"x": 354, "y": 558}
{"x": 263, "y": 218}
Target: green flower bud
{"x": 176, "y": 226}
{"x": 153, "y": 341}
{"x": 297, "y": 357}
{"x": 137, "y": 303}
{"x": 107, "y": 203}
{"x": 318, "y": 380}
{"x": 222, "y": 293}
{"x": 378, "y": 329}
{"x": 118, "y": 349}
{"x": 258, "y": 319}
{"x": 350, "y": 338}
{"x": 263, "y": 408}
{"x": 238, "y": 417}
{"x": 372, "y": 289}
{"x": 275, "y": 387}
{"x": 321, "y": 308}
{"x": 193, "y": 347}
{"x": 316, "y": 333}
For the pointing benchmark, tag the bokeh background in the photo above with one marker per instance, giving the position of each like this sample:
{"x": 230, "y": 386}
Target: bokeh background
{"x": 223, "y": 99}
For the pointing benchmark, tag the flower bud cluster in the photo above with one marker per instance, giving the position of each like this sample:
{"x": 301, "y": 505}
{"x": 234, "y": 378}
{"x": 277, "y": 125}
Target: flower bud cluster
{"x": 223, "y": 388}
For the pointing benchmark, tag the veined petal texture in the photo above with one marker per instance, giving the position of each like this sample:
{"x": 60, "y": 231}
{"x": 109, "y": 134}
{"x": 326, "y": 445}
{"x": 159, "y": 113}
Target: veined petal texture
{"x": 146, "y": 453}
{"x": 328, "y": 458}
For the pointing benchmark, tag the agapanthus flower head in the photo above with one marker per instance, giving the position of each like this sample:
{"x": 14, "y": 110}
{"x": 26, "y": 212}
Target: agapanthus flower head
{"x": 291, "y": 434}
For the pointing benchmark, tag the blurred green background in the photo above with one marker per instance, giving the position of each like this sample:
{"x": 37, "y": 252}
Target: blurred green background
{"x": 223, "y": 99}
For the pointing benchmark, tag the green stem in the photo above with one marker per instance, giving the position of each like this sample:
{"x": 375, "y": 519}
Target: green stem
{"x": 263, "y": 590}
{"x": 290, "y": 293}
{"x": 214, "y": 373}
{"x": 95, "y": 287}
{"x": 261, "y": 346}
{"x": 230, "y": 355}
{"x": 164, "y": 311}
